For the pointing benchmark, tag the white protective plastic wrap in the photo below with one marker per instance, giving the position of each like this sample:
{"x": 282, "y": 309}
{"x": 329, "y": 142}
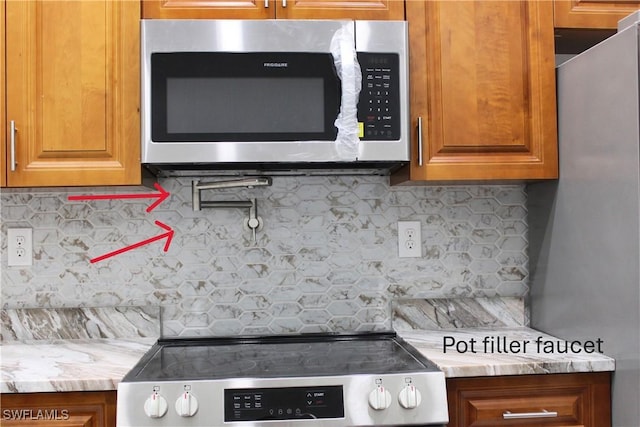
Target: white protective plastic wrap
{"x": 343, "y": 50}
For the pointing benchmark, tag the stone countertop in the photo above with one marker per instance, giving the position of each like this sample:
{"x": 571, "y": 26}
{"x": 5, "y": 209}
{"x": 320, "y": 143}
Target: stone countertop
{"x": 100, "y": 364}
{"x": 68, "y": 365}
{"x": 474, "y": 352}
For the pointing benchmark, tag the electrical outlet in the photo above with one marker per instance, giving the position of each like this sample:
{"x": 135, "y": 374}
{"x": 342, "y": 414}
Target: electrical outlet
{"x": 409, "y": 239}
{"x": 19, "y": 247}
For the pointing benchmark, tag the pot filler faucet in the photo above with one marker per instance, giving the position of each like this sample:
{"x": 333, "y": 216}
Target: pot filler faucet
{"x": 254, "y": 222}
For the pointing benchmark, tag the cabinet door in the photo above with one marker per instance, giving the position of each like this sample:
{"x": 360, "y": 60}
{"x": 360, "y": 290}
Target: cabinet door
{"x": 69, "y": 409}
{"x": 482, "y": 80}
{"x": 208, "y": 9}
{"x": 341, "y": 9}
{"x": 561, "y": 400}
{"x": 269, "y": 9}
{"x": 596, "y": 14}
{"x": 3, "y": 117}
{"x": 73, "y": 92}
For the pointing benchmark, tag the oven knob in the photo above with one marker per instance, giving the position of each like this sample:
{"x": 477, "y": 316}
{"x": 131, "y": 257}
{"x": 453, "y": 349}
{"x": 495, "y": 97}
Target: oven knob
{"x": 409, "y": 397}
{"x": 379, "y": 398}
{"x": 155, "y": 406}
{"x": 187, "y": 405}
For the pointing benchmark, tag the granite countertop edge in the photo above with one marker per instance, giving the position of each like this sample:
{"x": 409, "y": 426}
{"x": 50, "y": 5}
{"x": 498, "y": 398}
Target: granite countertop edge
{"x": 538, "y": 356}
{"x": 38, "y": 366}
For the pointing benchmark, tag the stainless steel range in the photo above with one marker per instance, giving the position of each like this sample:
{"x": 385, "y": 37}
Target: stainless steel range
{"x": 328, "y": 380}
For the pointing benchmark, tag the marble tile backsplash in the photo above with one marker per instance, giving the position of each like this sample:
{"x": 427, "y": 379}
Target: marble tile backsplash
{"x": 325, "y": 260}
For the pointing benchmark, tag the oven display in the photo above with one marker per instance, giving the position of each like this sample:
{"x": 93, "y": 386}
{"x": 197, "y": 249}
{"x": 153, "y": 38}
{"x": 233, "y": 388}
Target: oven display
{"x": 289, "y": 403}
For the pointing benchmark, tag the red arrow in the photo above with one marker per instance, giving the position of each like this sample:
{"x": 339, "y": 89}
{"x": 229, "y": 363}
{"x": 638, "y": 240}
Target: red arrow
{"x": 168, "y": 235}
{"x": 160, "y": 196}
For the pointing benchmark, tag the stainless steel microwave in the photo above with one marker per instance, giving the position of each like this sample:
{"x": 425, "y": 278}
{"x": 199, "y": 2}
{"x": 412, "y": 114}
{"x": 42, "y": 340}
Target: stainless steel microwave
{"x": 253, "y": 93}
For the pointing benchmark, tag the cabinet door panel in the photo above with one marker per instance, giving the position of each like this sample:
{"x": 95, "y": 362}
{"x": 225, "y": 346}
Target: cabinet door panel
{"x": 208, "y": 9}
{"x": 73, "y": 85}
{"x": 67, "y": 409}
{"x": 342, "y": 9}
{"x": 3, "y": 118}
{"x": 270, "y": 9}
{"x": 483, "y": 83}
{"x": 571, "y": 400}
{"x": 596, "y": 14}
{"x": 487, "y": 84}
{"x": 73, "y": 92}
{"x": 490, "y": 407}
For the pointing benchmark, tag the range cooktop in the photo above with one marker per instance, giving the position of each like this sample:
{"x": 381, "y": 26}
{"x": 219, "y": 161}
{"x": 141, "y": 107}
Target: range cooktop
{"x": 278, "y": 356}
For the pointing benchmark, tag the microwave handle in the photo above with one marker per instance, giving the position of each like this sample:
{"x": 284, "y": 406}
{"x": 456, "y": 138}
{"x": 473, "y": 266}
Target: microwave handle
{"x": 419, "y": 141}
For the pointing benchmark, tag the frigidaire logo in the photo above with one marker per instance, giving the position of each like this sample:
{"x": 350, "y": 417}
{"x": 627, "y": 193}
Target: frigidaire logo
{"x": 35, "y": 414}
{"x": 276, "y": 64}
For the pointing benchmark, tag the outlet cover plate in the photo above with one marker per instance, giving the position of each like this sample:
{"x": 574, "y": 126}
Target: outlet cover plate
{"x": 19, "y": 247}
{"x": 409, "y": 239}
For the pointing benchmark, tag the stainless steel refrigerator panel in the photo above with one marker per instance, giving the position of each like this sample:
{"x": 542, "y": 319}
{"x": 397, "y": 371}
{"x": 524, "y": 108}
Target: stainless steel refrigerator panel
{"x": 585, "y": 229}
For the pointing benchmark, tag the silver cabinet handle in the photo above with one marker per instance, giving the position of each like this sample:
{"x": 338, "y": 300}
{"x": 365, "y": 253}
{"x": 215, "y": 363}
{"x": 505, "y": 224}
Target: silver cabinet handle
{"x": 419, "y": 141}
{"x": 507, "y": 415}
{"x": 266, "y": 3}
{"x": 284, "y": 3}
{"x": 13, "y": 145}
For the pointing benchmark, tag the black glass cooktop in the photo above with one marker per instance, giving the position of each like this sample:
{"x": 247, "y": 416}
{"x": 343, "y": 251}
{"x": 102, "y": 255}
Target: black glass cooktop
{"x": 278, "y": 356}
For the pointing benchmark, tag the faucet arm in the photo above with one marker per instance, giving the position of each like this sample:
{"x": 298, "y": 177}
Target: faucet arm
{"x": 227, "y": 204}
{"x": 197, "y": 187}
{"x": 245, "y": 182}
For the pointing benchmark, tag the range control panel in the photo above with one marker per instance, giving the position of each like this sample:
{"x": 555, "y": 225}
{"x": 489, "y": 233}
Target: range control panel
{"x": 379, "y": 102}
{"x": 262, "y": 404}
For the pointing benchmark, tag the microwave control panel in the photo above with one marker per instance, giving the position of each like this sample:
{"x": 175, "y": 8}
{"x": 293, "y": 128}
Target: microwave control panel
{"x": 379, "y": 102}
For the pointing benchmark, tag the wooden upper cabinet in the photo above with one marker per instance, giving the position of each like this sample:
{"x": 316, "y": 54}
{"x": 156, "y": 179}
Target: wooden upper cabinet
{"x": 483, "y": 87}
{"x": 3, "y": 141}
{"x": 342, "y": 9}
{"x": 592, "y": 14}
{"x": 207, "y": 9}
{"x": 72, "y": 90}
{"x": 271, "y": 9}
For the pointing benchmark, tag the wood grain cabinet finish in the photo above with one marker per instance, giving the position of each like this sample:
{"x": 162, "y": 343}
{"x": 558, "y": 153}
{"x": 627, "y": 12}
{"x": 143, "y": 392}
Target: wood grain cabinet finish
{"x": 72, "y": 90}
{"x": 558, "y": 400}
{"x": 66, "y": 409}
{"x": 3, "y": 69}
{"x": 272, "y": 9}
{"x": 592, "y": 14}
{"x": 483, "y": 87}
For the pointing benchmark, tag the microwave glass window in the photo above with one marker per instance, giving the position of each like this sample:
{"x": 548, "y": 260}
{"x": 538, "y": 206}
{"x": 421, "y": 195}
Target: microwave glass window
{"x": 259, "y": 96}
{"x": 245, "y": 105}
